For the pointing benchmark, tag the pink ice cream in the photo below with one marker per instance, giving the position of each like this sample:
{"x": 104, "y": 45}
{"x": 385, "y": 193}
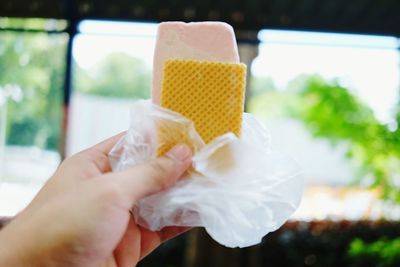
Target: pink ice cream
{"x": 207, "y": 41}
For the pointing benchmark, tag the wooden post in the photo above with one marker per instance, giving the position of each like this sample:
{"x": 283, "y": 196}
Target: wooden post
{"x": 248, "y": 50}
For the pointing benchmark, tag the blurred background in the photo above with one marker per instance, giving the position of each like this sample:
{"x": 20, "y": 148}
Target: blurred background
{"x": 324, "y": 78}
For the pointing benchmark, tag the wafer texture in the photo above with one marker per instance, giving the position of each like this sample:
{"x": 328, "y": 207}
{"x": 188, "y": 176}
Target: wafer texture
{"x": 211, "y": 94}
{"x": 171, "y": 133}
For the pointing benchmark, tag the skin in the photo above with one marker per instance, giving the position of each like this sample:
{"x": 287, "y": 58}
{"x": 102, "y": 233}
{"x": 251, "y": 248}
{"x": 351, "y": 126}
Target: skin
{"x": 81, "y": 217}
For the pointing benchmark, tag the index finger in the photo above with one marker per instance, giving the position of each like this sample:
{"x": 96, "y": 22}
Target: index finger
{"x": 105, "y": 146}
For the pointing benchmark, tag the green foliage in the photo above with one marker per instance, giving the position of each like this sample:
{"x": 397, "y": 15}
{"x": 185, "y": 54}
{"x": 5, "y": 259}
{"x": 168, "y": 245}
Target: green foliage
{"x": 386, "y": 252}
{"x": 333, "y": 112}
{"x": 267, "y": 102}
{"x": 32, "y": 23}
{"x": 117, "y": 75}
{"x": 35, "y": 63}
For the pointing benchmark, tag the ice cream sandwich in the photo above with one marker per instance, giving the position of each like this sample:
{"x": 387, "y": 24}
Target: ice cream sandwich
{"x": 197, "y": 74}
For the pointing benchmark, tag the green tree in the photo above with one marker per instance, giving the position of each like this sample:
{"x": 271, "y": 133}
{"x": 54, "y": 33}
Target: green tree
{"x": 34, "y": 62}
{"x": 117, "y": 75}
{"x": 384, "y": 252}
{"x": 267, "y": 101}
{"x": 332, "y": 112}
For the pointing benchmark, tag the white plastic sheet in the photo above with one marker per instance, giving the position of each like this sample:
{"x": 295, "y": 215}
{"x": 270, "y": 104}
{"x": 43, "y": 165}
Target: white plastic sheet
{"x": 238, "y": 189}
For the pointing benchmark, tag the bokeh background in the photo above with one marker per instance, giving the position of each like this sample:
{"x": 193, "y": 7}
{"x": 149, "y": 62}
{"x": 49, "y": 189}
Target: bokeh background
{"x": 324, "y": 79}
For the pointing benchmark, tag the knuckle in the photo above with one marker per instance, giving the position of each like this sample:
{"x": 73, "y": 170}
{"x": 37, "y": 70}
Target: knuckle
{"x": 101, "y": 161}
{"x": 109, "y": 193}
{"x": 161, "y": 170}
{"x": 161, "y": 167}
{"x": 70, "y": 161}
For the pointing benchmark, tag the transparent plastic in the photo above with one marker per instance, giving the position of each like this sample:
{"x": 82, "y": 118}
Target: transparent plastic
{"x": 237, "y": 189}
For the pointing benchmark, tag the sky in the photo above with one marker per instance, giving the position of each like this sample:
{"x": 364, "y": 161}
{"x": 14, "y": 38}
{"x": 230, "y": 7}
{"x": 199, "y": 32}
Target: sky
{"x": 368, "y": 65}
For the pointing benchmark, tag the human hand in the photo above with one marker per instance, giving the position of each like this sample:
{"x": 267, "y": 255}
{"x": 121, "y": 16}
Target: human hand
{"x": 81, "y": 217}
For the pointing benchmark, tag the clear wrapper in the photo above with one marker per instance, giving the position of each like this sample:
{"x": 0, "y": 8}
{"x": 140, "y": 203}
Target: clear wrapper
{"x": 237, "y": 189}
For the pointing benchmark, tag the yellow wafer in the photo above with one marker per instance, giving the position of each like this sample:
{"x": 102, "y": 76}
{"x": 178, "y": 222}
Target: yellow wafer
{"x": 211, "y": 94}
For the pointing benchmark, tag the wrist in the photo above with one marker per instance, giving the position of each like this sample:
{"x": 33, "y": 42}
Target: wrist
{"x": 22, "y": 245}
{"x": 17, "y": 247}
{"x": 10, "y": 254}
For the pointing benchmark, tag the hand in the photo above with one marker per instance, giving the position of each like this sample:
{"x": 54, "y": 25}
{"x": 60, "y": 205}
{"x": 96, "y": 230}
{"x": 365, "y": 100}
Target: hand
{"x": 81, "y": 216}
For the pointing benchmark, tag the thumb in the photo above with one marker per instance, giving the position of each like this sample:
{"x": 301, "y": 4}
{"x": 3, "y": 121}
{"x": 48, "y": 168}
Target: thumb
{"x": 156, "y": 175}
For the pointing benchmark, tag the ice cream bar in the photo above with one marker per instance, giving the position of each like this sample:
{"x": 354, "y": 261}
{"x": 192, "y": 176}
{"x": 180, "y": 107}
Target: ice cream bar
{"x": 202, "y": 41}
{"x": 201, "y": 78}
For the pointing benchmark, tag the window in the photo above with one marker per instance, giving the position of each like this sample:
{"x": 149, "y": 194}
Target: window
{"x": 108, "y": 78}
{"x": 32, "y": 65}
{"x": 289, "y": 64}
{"x": 112, "y": 64}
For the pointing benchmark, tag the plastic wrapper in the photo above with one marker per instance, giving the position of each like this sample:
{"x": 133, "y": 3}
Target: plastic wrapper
{"x": 237, "y": 189}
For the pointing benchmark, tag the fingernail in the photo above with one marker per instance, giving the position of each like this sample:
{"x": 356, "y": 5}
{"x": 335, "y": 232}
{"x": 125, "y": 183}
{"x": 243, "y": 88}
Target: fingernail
{"x": 180, "y": 152}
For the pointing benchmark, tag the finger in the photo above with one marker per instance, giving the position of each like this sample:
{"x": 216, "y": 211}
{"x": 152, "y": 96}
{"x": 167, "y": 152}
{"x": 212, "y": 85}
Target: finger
{"x": 126, "y": 253}
{"x": 109, "y": 262}
{"x": 95, "y": 159}
{"x": 171, "y": 232}
{"x": 154, "y": 176}
{"x": 151, "y": 240}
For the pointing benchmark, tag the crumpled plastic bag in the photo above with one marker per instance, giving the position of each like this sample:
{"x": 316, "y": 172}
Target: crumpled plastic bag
{"x": 238, "y": 189}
